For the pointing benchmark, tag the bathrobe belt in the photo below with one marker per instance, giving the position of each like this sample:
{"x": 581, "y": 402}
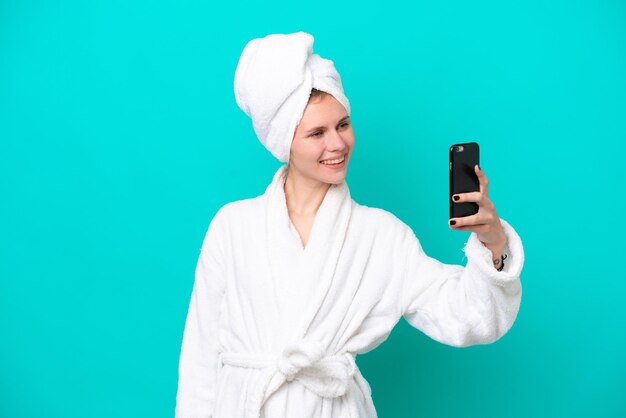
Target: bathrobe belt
{"x": 306, "y": 361}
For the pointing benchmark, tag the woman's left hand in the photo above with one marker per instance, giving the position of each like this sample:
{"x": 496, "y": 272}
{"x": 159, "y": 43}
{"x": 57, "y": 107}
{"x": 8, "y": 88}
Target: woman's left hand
{"x": 486, "y": 223}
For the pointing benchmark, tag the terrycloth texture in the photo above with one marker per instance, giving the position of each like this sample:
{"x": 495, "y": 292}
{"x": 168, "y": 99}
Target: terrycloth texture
{"x": 273, "y": 328}
{"x": 273, "y": 82}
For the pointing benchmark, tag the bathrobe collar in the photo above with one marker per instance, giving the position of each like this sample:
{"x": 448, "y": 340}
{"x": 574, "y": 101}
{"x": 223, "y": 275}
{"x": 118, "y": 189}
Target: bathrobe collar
{"x": 315, "y": 264}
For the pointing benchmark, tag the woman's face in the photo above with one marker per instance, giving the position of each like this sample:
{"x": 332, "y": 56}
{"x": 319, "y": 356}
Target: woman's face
{"x": 324, "y": 133}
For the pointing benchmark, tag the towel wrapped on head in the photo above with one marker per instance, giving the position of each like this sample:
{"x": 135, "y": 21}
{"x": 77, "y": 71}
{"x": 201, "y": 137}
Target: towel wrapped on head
{"x": 273, "y": 82}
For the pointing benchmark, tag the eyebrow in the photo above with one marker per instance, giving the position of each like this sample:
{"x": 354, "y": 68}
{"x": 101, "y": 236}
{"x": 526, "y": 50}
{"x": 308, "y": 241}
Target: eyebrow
{"x": 322, "y": 127}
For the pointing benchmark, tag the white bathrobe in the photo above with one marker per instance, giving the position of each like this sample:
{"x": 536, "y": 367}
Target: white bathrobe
{"x": 273, "y": 328}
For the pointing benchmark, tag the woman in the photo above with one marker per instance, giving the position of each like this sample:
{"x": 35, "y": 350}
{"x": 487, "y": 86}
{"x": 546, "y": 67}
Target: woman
{"x": 292, "y": 284}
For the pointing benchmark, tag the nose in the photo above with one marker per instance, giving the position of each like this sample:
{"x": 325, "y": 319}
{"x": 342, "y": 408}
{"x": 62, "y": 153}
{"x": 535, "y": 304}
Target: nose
{"x": 335, "y": 142}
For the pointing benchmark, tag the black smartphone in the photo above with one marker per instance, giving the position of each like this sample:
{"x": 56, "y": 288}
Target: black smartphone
{"x": 463, "y": 178}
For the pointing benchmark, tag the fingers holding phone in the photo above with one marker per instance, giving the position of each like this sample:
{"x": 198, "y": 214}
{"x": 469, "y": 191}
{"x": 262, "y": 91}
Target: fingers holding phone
{"x": 486, "y": 209}
{"x": 485, "y": 221}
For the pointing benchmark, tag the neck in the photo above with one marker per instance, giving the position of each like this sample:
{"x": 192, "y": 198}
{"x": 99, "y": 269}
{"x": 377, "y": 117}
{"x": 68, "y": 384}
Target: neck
{"x": 304, "y": 195}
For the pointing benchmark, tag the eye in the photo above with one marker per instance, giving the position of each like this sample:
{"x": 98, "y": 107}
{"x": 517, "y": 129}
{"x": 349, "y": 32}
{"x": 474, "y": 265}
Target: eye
{"x": 318, "y": 133}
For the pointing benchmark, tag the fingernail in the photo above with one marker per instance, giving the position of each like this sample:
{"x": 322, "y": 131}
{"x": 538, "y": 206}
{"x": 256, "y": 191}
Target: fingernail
{"x": 456, "y": 197}
{"x": 452, "y": 222}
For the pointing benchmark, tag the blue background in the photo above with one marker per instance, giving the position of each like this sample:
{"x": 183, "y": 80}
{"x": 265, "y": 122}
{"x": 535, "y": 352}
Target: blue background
{"x": 120, "y": 138}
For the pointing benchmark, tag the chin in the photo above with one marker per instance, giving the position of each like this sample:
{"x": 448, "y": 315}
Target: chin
{"x": 336, "y": 178}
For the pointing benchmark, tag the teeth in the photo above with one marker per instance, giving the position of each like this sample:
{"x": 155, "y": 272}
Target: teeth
{"x": 332, "y": 161}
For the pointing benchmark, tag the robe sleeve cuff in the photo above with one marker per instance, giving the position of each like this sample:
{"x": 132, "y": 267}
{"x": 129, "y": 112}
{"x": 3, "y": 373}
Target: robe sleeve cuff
{"x": 480, "y": 257}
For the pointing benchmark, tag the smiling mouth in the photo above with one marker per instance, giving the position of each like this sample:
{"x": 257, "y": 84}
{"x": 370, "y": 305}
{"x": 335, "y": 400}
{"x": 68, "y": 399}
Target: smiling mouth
{"x": 333, "y": 162}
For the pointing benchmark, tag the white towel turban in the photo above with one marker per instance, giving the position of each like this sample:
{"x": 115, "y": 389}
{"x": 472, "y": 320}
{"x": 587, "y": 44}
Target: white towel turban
{"x": 273, "y": 82}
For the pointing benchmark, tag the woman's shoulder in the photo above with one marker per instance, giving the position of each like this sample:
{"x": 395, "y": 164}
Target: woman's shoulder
{"x": 379, "y": 218}
{"x": 239, "y": 210}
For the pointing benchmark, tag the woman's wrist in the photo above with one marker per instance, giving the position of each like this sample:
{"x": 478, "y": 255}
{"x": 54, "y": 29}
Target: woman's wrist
{"x": 498, "y": 263}
{"x": 497, "y": 254}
